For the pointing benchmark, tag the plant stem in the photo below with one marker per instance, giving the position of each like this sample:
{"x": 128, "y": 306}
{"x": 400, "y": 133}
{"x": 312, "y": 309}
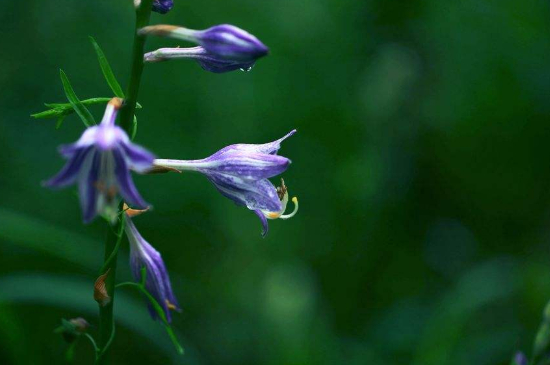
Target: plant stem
{"x": 143, "y": 14}
{"x": 106, "y": 320}
{"x": 106, "y": 312}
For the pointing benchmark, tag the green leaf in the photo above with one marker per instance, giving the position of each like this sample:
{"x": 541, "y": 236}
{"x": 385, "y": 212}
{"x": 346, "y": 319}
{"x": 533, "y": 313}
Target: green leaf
{"x": 60, "y": 121}
{"x": 77, "y": 105}
{"x": 134, "y": 128}
{"x": 91, "y": 101}
{"x": 107, "y": 70}
{"x": 52, "y": 113}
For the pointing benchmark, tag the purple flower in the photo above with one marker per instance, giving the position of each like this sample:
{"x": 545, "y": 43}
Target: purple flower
{"x": 229, "y": 42}
{"x": 222, "y": 41}
{"x": 520, "y": 359}
{"x": 157, "y": 282}
{"x": 99, "y": 163}
{"x": 206, "y": 60}
{"x": 162, "y": 6}
{"x": 241, "y": 172}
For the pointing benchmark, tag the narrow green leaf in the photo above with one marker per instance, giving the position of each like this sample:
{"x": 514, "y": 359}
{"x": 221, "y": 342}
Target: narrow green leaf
{"x": 91, "y": 101}
{"x": 60, "y": 121}
{"x": 64, "y": 109}
{"x": 52, "y": 113}
{"x": 107, "y": 70}
{"x": 134, "y": 128}
{"x": 77, "y": 105}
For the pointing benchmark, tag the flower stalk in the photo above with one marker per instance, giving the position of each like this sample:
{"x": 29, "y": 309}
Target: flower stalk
{"x": 106, "y": 320}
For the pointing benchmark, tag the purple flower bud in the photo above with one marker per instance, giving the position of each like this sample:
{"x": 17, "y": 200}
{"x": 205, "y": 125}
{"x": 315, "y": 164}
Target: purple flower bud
{"x": 157, "y": 281}
{"x": 224, "y": 41}
{"x": 99, "y": 163}
{"x": 230, "y": 42}
{"x": 241, "y": 172}
{"x": 206, "y": 60}
{"x": 162, "y": 6}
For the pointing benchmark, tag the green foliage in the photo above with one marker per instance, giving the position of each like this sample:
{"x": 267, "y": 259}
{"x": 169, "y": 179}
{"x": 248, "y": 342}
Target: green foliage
{"x": 421, "y": 157}
{"x": 107, "y": 70}
{"x": 134, "y": 128}
{"x": 80, "y": 109}
{"x": 156, "y": 306}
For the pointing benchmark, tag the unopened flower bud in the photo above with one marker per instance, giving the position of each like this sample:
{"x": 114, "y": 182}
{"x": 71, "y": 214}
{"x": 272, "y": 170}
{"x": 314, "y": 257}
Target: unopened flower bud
{"x": 206, "y": 60}
{"x": 224, "y": 41}
{"x": 162, "y": 6}
{"x": 71, "y": 329}
{"x": 80, "y": 324}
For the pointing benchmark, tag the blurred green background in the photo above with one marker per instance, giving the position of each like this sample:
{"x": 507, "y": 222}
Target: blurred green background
{"x": 420, "y": 162}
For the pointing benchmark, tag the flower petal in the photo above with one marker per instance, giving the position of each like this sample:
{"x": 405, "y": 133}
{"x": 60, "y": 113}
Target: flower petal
{"x": 265, "y": 226}
{"x": 137, "y": 157}
{"x": 69, "y": 173}
{"x": 248, "y": 166}
{"x": 273, "y": 147}
{"x": 253, "y": 194}
{"x": 87, "y": 139}
{"x": 157, "y": 281}
{"x": 86, "y": 185}
{"x": 270, "y": 148}
{"x": 126, "y": 186}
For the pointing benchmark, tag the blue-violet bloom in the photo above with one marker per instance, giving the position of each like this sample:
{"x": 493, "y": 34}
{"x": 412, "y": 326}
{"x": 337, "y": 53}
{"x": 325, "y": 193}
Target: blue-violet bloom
{"x": 224, "y": 41}
{"x": 162, "y": 6}
{"x": 157, "y": 281}
{"x": 206, "y": 60}
{"x": 241, "y": 172}
{"x": 99, "y": 163}
{"x": 520, "y": 359}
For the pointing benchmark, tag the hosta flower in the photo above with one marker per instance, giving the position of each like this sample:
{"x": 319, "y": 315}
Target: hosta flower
{"x": 241, "y": 172}
{"x": 157, "y": 282}
{"x": 223, "y": 41}
{"x": 162, "y": 6}
{"x": 206, "y": 60}
{"x": 99, "y": 163}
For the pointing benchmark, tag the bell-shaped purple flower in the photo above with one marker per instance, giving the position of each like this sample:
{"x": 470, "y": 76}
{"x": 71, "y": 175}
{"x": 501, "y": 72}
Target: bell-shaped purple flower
{"x": 162, "y": 6}
{"x": 223, "y": 41}
{"x": 157, "y": 281}
{"x": 241, "y": 172}
{"x": 99, "y": 163}
{"x": 206, "y": 60}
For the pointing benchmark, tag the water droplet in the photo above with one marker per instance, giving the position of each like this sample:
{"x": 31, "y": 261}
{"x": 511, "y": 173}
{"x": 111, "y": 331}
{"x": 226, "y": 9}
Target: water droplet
{"x": 247, "y": 69}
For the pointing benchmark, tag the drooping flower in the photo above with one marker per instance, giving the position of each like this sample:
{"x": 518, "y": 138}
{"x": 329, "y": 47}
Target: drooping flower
{"x": 99, "y": 163}
{"x": 223, "y": 41}
{"x": 241, "y": 172}
{"x": 206, "y": 60}
{"x": 162, "y": 6}
{"x": 157, "y": 281}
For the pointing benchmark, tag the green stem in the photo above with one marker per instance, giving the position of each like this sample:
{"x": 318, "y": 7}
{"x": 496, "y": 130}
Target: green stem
{"x": 143, "y": 14}
{"x": 106, "y": 320}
